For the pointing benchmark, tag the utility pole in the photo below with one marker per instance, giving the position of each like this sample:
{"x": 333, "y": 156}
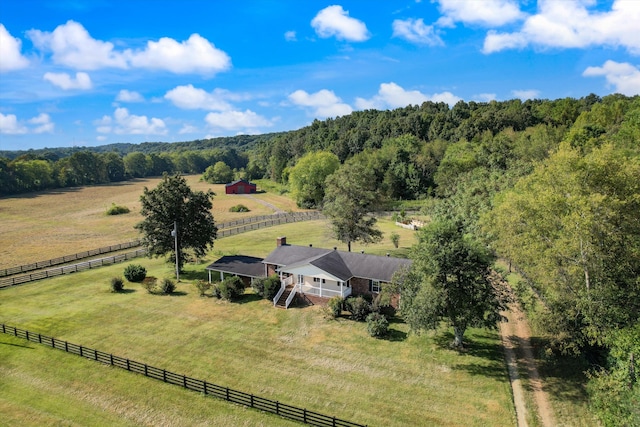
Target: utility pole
{"x": 174, "y": 233}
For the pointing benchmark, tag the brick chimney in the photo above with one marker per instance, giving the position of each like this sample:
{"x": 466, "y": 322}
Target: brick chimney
{"x": 281, "y": 241}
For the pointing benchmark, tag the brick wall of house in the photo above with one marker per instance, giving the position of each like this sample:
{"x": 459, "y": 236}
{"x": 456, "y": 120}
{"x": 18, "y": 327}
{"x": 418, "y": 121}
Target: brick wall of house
{"x": 360, "y": 286}
{"x": 271, "y": 269}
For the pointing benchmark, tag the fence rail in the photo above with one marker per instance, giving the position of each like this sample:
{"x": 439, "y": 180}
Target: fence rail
{"x": 267, "y": 405}
{"x": 224, "y": 230}
{"x": 67, "y": 269}
{"x": 67, "y": 258}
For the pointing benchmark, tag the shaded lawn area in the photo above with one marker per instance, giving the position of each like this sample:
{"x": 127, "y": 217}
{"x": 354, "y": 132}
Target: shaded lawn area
{"x": 294, "y": 356}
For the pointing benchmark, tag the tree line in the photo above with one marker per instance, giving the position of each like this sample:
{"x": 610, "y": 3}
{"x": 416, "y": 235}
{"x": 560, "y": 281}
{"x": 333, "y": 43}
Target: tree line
{"x": 30, "y": 172}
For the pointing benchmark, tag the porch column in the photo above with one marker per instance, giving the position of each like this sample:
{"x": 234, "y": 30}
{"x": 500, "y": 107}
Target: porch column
{"x": 209, "y": 275}
{"x": 341, "y": 291}
{"x": 320, "y": 288}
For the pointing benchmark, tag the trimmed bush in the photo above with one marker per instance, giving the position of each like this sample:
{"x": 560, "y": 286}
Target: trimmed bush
{"x": 267, "y": 287}
{"x": 230, "y": 288}
{"x": 358, "y": 307}
{"x": 117, "y": 209}
{"x": 395, "y": 239}
{"x": 135, "y": 273}
{"x": 336, "y": 304}
{"x": 167, "y": 286}
{"x": 377, "y": 325}
{"x": 202, "y": 286}
{"x": 149, "y": 283}
{"x": 239, "y": 208}
{"x": 117, "y": 284}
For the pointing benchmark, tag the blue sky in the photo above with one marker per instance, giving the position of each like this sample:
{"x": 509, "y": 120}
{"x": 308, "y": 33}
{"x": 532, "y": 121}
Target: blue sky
{"x": 93, "y": 72}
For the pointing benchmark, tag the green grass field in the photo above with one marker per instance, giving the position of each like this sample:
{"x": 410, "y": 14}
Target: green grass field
{"x": 295, "y": 355}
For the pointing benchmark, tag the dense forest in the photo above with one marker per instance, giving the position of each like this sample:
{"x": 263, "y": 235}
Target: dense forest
{"x": 551, "y": 186}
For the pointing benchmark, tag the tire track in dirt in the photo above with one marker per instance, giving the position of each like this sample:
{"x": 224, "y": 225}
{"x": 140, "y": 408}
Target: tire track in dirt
{"x": 515, "y": 335}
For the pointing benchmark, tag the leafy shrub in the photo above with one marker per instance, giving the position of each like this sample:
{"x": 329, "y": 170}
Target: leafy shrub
{"x": 135, "y": 273}
{"x": 149, "y": 283}
{"x": 117, "y": 284}
{"x": 230, "y": 288}
{"x": 267, "y": 287}
{"x": 239, "y": 208}
{"x": 358, "y": 307}
{"x": 117, "y": 209}
{"x": 202, "y": 286}
{"x": 377, "y": 325}
{"x": 167, "y": 286}
{"x": 395, "y": 239}
{"x": 336, "y": 304}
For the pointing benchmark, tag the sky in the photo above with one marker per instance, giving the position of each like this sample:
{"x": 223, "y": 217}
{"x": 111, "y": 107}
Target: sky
{"x": 94, "y": 72}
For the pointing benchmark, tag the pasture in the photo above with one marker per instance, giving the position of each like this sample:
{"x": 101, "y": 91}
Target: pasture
{"x": 44, "y": 225}
{"x": 295, "y": 356}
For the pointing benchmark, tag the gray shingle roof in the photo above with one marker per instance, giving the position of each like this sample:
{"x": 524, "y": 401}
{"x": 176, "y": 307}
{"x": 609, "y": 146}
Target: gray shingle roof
{"x": 240, "y": 265}
{"x": 343, "y": 265}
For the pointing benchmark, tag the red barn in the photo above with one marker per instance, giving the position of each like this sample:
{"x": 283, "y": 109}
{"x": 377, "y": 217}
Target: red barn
{"x": 240, "y": 187}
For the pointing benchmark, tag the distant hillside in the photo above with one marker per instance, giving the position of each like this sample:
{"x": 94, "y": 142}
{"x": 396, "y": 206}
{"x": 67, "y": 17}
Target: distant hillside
{"x": 241, "y": 143}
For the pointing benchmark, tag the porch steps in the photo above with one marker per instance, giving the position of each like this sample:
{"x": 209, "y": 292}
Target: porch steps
{"x": 282, "y": 301}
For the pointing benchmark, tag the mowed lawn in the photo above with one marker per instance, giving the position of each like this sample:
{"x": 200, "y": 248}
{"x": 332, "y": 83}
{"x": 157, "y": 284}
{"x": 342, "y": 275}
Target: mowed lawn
{"x": 295, "y": 356}
{"x": 44, "y": 225}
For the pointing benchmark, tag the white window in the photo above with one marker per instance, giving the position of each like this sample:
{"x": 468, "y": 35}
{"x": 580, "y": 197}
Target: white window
{"x": 375, "y": 286}
{"x": 300, "y": 279}
{"x": 319, "y": 280}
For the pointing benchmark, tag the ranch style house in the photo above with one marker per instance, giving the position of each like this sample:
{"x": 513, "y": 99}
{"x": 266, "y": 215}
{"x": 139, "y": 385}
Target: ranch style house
{"x": 314, "y": 274}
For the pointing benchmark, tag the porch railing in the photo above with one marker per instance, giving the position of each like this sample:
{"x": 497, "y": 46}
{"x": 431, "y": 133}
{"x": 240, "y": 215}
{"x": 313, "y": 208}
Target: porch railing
{"x": 325, "y": 293}
{"x": 279, "y": 294}
{"x": 291, "y": 295}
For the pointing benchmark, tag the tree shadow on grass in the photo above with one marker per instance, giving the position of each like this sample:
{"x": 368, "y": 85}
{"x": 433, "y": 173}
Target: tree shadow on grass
{"x": 248, "y": 298}
{"x": 563, "y": 376}
{"x": 483, "y": 346}
{"x": 394, "y": 335}
{"x": 126, "y": 291}
{"x": 194, "y": 275}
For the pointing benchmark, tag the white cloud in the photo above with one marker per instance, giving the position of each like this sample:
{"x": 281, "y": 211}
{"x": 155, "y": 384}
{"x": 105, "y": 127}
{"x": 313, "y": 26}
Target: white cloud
{"x": 624, "y": 77}
{"x": 489, "y": 13}
{"x": 9, "y": 125}
{"x": 191, "y": 98}
{"x": 237, "y": 120}
{"x": 290, "y": 36}
{"x": 43, "y": 122}
{"x": 391, "y": 95}
{"x": 66, "y": 82}
{"x": 188, "y": 129}
{"x": 123, "y": 123}
{"x": 129, "y": 96}
{"x": 10, "y": 47}
{"x": 196, "y": 55}
{"x": 101, "y": 138}
{"x": 570, "y": 24}
{"x": 72, "y": 45}
{"x": 485, "y": 97}
{"x": 415, "y": 31}
{"x": 323, "y": 103}
{"x": 526, "y": 94}
{"x": 335, "y": 21}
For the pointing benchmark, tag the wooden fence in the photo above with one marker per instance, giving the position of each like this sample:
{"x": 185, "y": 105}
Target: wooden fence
{"x": 67, "y": 258}
{"x": 224, "y": 230}
{"x": 67, "y": 269}
{"x": 265, "y": 221}
{"x": 200, "y": 386}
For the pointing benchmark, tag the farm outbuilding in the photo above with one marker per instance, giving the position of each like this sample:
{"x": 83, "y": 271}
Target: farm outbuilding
{"x": 240, "y": 187}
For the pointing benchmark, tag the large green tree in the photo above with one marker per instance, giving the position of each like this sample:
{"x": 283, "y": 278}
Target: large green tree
{"x": 449, "y": 280}
{"x": 349, "y": 198}
{"x": 307, "y": 177}
{"x": 173, "y": 202}
{"x": 220, "y": 173}
{"x": 572, "y": 226}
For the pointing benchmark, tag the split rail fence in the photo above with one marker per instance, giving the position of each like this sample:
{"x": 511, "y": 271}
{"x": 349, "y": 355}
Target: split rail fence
{"x": 67, "y": 258}
{"x": 225, "y": 229}
{"x": 266, "y": 405}
{"x": 67, "y": 269}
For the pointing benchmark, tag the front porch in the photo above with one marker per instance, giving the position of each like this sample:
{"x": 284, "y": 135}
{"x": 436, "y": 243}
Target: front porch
{"x": 318, "y": 287}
